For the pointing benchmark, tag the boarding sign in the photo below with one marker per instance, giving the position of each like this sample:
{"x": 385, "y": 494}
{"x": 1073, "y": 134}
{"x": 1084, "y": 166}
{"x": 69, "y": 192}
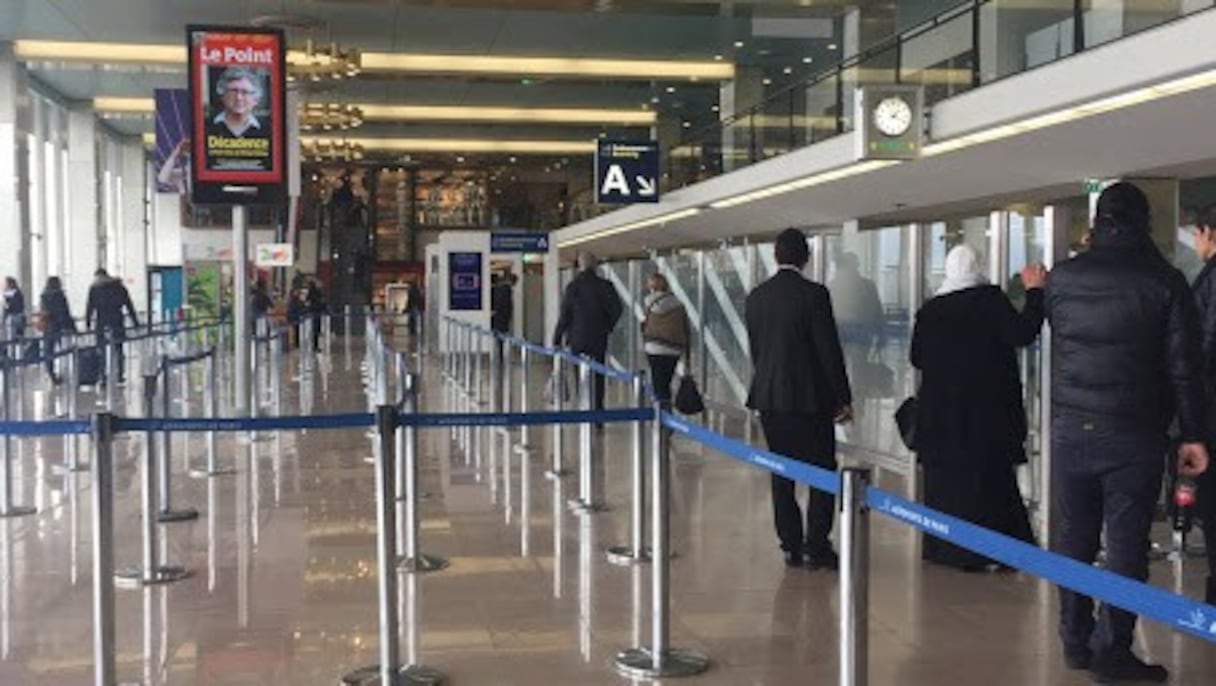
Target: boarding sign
{"x": 237, "y": 102}
{"x": 626, "y": 172}
{"x": 519, "y": 241}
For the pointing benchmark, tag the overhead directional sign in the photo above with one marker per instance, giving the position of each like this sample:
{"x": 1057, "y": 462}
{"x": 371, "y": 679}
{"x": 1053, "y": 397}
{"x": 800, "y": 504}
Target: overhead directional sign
{"x": 626, "y": 172}
{"x": 519, "y": 241}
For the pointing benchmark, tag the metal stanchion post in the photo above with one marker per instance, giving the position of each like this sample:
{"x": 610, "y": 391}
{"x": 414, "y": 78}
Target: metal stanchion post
{"x": 854, "y": 577}
{"x": 7, "y": 508}
{"x": 71, "y": 382}
{"x": 525, "y": 432}
{"x": 152, "y": 571}
{"x": 276, "y": 375}
{"x": 104, "y": 623}
{"x": 413, "y": 559}
{"x": 388, "y": 670}
{"x": 167, "y": 513}
{"x": 558, "y": 385}
{"x": 636, "y": 551}
{"x": 211, "y": 403}
{"x": 111, "y": 377}
{"x": 347, "y": 321}
{"x": 660, "y": 660}
{"x": 585, "y": 503}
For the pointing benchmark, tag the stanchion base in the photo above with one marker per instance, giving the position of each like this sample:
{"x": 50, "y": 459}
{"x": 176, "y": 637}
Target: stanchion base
{"x": 62, "y": 469}
{"x": 625, "y": 556}
{"x": 413, "y": 674}
{"x": 18, "y": 511}
{"x": 134, "y": 576}
{"x": 183, "y": 515}
{"x": 582, "y": 507}
{"x": 423, "y": 564}
{"x": 205, "y": 474}
{"x": 553, "y": 474}
{"x": 638, "y": 663}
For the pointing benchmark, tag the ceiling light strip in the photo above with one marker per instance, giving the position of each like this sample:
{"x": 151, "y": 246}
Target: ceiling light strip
{"x": 387, "y": 62}
{"x": 467, "y": 145}
{"x": 521, "y": 115}
{"x": 547, "y": 66}
{"x": 661, "y": 219}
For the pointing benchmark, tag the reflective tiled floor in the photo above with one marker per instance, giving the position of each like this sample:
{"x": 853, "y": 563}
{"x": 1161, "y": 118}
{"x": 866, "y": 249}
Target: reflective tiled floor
{"x": 283, "y": 587}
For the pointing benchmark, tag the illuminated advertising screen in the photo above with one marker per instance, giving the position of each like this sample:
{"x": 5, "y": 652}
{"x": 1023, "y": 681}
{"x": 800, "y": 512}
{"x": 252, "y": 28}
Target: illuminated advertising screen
{"x": 237, "y": 79}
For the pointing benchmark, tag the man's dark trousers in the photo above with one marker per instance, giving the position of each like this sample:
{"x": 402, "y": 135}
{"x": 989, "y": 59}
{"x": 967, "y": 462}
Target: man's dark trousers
{"x": 809, "y": 438}
{"x": 1104, "y": 474}
{"x": 115, "y": 336}
{"x": 597, "y": 379}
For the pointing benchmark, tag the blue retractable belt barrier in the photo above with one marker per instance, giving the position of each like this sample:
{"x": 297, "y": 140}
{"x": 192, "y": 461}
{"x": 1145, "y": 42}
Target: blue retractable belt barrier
{"x": 1173, "y": 610}
{"x": 528, "y": 418}
{"x": 815, "y": 477}
{"x": 1195, "y": 618}
{"x": 597, "y": 367}
{"x": 531, "y": 347}
{"x": 55, "y": 427}
{"x": 330, "y": 421}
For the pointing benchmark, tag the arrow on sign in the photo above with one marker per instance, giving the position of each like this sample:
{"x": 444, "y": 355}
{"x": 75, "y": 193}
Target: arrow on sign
{"x": 646, "y": 187}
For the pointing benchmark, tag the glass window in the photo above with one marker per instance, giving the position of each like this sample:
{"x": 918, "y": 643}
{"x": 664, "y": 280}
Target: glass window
{"x": 940, "y": 237}
{"x": 727, "y": 279}
{"x": 1015, "y": 36}
{"x": 868, "y": 278}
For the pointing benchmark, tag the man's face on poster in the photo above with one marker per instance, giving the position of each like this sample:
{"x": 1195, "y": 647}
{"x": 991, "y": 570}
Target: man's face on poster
{"x": 241, "y": 98}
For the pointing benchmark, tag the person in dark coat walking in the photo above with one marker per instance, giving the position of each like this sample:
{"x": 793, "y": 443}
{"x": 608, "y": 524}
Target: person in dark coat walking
{"x": 970, "y": 423}
{"x": 108, "y": 301}
{"x": 1205, "y": 299}
{"x": 800, "y": 388}
{"x": 14, "y": 309}
{"x": 56, "y": 321}
{"x": 317, "y": 310}
{"x": 1126, "y": 362}
{"x": 589, "y": 312}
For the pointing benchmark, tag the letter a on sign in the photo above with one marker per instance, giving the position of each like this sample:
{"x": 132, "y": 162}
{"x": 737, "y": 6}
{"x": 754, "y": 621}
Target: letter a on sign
{"x": 615, "y": 181}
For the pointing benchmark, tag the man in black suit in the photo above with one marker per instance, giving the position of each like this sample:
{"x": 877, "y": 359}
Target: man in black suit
{"x": 590, "y": 310}
{"x": 800, "y": 388}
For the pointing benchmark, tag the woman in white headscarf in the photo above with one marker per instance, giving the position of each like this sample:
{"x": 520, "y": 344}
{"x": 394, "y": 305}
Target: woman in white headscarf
{"x": 970, "y": 423}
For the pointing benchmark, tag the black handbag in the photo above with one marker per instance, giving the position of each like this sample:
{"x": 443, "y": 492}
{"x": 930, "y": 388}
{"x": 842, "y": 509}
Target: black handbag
{"x": 688, "y": 397}
{"x": 905, "y": 419}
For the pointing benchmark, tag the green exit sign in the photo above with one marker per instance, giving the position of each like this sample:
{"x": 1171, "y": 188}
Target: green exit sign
{"x": 1092, "y": 186}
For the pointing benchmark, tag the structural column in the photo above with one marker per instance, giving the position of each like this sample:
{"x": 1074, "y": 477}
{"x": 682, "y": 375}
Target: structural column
{"x": 134, "y": 260}
{"x": 83, "y": 257}
{"x": 10, "y": 204}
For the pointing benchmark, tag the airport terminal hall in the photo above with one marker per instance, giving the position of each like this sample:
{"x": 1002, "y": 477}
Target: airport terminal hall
{"x": 607, "y": 342}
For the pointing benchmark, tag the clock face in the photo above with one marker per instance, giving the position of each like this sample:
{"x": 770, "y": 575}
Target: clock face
{"x": 893, "y": 116}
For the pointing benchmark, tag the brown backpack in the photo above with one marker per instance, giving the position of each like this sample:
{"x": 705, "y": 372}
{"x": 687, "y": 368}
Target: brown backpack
{"x": 668, "y": 328}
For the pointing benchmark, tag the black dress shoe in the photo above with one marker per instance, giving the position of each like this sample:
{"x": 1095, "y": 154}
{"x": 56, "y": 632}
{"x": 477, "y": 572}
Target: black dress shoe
{"x": 1126, "y": 668}
{"x": 1078, "y": 658}
{"x": 827, "y": 559}
{"x": 794, "y": 559}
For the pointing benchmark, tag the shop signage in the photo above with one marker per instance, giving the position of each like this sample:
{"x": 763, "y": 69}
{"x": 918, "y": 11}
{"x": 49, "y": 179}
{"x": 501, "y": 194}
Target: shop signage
{"x": 274, "y": 255}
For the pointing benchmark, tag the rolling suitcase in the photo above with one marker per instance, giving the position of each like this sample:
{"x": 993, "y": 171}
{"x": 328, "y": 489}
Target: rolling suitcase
{"x": 88, "y": 367}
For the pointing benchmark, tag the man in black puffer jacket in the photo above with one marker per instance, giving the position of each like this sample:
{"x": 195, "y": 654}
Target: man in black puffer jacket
{"x": 589, "y": 312}
{"x": 1126, "y": 362}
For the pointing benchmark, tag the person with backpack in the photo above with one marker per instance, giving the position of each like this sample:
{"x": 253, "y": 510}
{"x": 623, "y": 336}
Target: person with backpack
{"x": 665, "y": 335}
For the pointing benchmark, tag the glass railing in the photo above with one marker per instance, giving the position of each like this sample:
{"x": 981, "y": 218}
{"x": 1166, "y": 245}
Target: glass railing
{"x": 960, "y": 49}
